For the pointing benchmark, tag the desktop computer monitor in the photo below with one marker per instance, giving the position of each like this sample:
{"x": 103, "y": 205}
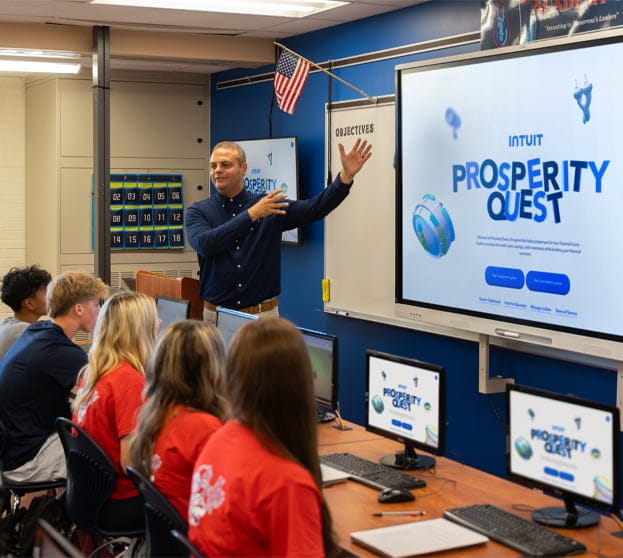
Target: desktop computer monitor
{"x": 171, "y": 310}
{"x": 322, "y": 349}
{"x": 229, "y": 321}
{"x": 565, "y": 446}
{"x": 405, "y": 401}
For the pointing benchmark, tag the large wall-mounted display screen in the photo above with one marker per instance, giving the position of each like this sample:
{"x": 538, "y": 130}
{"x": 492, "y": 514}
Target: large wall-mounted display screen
{"x": 510, "y": 190}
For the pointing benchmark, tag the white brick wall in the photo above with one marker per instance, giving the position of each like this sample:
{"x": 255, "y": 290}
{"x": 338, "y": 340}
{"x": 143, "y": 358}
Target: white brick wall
{"x": 12, "y": 176}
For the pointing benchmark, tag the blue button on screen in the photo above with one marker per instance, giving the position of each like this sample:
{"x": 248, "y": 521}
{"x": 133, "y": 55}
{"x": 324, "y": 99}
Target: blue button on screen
{"x": 544, "y": 282}
{"x": 550, "y": 471}
{"x": 504, "y": 277}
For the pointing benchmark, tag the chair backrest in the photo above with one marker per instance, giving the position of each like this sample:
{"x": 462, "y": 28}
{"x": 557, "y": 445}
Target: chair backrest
{"x": 90, "y": 475}
{"x": 191, "y": 549}
{"x": 160, "y": 518}
{"x": 2, "y": 437}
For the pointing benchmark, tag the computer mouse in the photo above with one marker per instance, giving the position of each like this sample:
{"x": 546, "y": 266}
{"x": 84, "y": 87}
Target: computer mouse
{"x": 395, "y": 495}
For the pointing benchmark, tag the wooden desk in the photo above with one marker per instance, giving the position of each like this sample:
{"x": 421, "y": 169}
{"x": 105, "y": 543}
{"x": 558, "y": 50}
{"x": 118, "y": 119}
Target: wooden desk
{"x": 449, "y": 485}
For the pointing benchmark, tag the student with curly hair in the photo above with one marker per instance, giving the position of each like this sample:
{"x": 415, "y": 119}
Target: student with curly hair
{"x": 184, "y": 405}
{"x": 256, "y": 488}
{"x": 23, "y": 290}
{"x": 110, "y": 395}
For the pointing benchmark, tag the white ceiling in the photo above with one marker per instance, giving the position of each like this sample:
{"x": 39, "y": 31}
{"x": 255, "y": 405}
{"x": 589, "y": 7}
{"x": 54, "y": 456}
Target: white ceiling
{"x": 81, "y": 12}
{"x": 220, "y": 32}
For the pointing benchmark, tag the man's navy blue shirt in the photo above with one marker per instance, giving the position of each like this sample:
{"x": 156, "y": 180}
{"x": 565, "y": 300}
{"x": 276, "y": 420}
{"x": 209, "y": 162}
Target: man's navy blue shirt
{"x": 36, "y": 376}
{"x": 240, "y": 260}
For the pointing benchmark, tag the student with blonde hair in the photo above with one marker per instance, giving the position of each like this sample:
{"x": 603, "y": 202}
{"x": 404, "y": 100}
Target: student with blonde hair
{"x": 38, "y": 374}
{"x": 256, "y": 487}
{"x": 184, "y": 405}
{"x": 110, "y": 394}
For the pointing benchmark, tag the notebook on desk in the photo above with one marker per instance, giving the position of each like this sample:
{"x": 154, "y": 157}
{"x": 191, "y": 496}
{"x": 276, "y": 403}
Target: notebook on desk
{"x": 331, "y": 475}
{"x": 417, "y": 538}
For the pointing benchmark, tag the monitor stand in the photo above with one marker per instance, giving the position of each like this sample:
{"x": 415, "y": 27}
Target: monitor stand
{"x": 408, "y": 460}
{"x": 566, "y": 517}
{"x": 325, "y": 414}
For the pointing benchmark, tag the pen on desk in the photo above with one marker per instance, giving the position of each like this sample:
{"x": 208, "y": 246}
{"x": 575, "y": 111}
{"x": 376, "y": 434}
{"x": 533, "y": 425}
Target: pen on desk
{"x": 407, "y": 513}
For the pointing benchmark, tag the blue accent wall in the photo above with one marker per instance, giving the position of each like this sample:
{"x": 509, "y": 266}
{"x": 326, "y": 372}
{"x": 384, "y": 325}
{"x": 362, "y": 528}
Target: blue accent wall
{"x": 475, "y": 421}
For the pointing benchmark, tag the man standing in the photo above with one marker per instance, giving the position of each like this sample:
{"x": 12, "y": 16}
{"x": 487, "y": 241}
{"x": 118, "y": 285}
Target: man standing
{"x": 23, "y": 290}
{"x": 237, "y": 234}
{"x": 38, "y": 374}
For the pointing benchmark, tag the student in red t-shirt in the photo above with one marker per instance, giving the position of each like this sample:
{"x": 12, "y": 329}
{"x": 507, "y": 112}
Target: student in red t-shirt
{"x": 111, "y": 393}
{"x": 184, "y": 406}
{"x": 256, "y": 487}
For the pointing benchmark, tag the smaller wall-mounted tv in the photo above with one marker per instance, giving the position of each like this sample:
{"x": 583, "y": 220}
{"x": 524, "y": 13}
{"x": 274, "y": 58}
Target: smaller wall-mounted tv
{"x": 273, "y": 164}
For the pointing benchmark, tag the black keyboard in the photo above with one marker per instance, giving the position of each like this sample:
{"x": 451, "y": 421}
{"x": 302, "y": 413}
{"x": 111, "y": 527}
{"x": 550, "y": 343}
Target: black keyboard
{"x": 371, "y": 473}
{"x": 509, "y": 529}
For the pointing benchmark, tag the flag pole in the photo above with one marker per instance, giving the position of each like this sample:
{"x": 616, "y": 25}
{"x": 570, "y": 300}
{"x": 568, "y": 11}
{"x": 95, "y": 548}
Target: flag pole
{"x": 327, "y": 72}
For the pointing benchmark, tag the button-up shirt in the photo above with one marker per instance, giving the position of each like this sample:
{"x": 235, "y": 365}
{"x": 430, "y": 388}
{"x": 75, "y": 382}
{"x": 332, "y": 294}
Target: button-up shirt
{"x": 240, "y": 260}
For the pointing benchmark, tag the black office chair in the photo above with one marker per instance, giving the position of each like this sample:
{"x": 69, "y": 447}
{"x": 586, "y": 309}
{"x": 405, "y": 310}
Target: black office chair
{"x": 49, "y": 542}
{"x": 160, "y": 519}
{"x": 191, "y": 549}
{"x": 90, "y": 480}
{"x": 17, "y": 490}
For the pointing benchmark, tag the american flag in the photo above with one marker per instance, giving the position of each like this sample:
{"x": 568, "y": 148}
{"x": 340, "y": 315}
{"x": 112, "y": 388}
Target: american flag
{"x": 290, "y": 79}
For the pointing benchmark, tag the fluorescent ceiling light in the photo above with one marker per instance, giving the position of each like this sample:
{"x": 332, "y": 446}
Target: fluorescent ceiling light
{"x": 280, "y": 8}
{"x": 29, "y": 53}
{"x": 22, "y": 66}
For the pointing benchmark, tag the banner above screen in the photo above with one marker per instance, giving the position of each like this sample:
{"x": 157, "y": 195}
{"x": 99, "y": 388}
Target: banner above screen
{"x": 513, "y": 22}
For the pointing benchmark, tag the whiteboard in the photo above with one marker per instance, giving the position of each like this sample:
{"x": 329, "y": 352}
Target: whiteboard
{"x": 359, "y": 234}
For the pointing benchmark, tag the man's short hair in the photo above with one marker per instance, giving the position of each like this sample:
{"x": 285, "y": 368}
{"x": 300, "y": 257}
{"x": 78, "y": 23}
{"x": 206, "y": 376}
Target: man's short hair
{"x": 22, "y": 282}
{"x": 72, "y": 288}
{"x": 232, "y": 146}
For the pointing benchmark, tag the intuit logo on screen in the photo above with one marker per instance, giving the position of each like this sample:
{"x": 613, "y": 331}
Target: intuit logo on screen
{"x": 528, "y": 189}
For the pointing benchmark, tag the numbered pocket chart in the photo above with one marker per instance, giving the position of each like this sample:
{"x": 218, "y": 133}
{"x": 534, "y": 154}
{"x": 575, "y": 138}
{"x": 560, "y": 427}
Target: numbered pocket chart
{"x": 146, "y": 211}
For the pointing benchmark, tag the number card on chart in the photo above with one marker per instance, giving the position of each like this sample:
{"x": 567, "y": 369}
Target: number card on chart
{"x": 146, "y": 211}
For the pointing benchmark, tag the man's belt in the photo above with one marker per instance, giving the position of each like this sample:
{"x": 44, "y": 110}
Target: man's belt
{"x": 255, "y": 309}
